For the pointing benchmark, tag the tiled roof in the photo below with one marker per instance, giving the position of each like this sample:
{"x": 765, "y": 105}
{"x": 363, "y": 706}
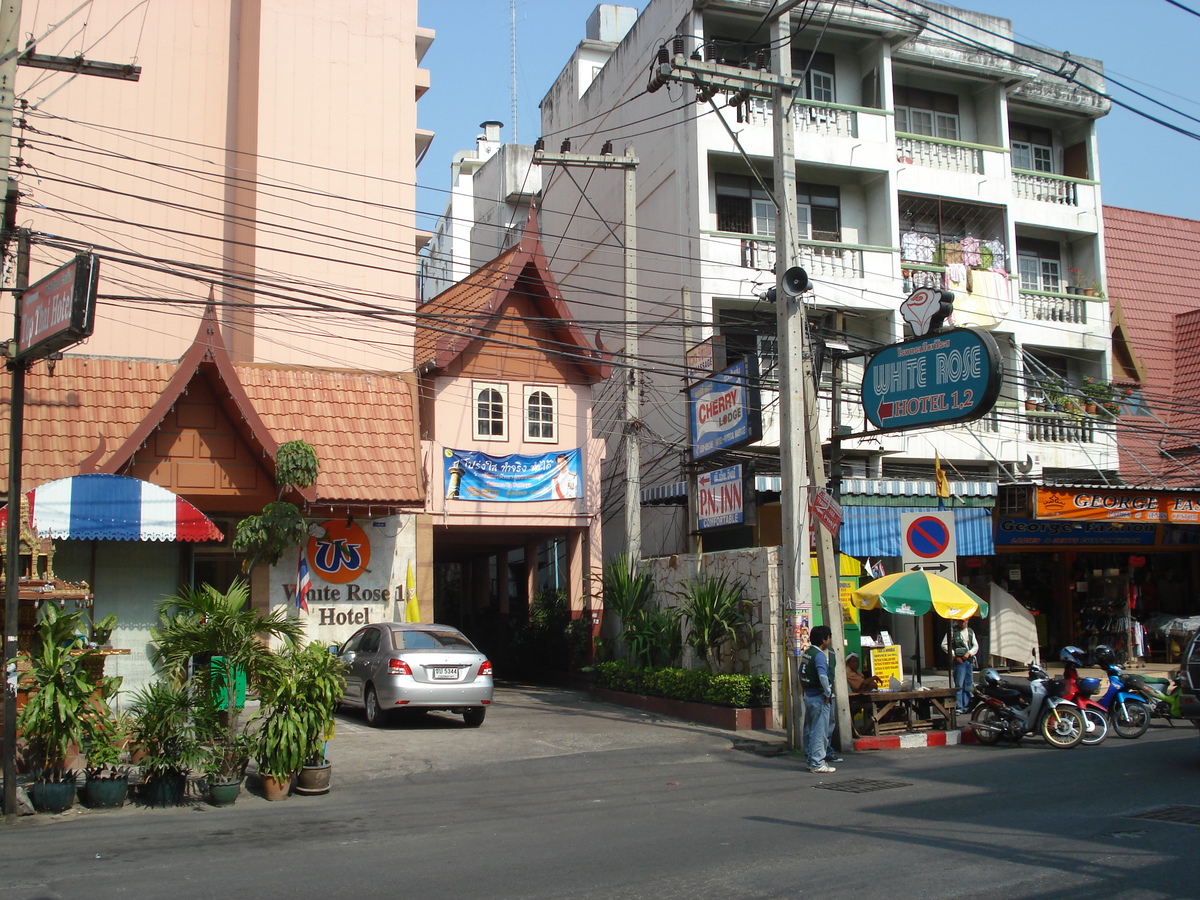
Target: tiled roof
{"x": 1153, "y": 267}
{"x": 67, "y": 413}
{"x": 449, "y": 323}
{"x": 362, "y": 425}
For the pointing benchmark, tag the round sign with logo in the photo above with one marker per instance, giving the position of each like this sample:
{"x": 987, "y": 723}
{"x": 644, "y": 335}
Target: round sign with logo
{"x": 342, "y": 554}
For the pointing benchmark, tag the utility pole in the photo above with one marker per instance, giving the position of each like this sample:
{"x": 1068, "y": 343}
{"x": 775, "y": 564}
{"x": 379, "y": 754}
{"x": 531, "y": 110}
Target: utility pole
{"x": 11, "y": 56}
{"x": 802, "y": 469}
{"x": 633, "y": 381}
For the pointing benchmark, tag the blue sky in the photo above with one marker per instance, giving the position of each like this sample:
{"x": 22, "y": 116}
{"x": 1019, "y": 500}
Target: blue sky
{"x": 1146, "y": 44}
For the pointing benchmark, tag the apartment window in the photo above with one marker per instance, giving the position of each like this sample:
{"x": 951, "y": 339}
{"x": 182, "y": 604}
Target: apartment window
{"x": 926, "y": 112}
{"x": 490, "y": 405}
{"x": 743, "y": 206}
{"x": 818, "y": 208}
{"x": 1039, "y": 266}
{"x": 817, "y": 69}
{"x": 1032, "y": 148}
{"x": 748, "y": 332}
{"x": 541, "y": 413}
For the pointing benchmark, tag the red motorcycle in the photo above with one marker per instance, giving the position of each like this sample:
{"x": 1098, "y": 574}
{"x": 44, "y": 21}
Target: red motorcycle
{"x": 1080, "y": 691}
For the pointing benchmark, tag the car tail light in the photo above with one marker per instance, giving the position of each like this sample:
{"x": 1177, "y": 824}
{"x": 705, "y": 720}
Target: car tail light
{"x": 486, "y": 668}
{"x": 398, "y": 667}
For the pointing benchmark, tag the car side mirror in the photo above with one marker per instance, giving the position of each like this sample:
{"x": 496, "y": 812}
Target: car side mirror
{"x": 333, "y": 648}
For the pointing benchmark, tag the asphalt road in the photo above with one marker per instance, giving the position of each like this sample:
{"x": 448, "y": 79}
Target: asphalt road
{"x": 556, "y": 796}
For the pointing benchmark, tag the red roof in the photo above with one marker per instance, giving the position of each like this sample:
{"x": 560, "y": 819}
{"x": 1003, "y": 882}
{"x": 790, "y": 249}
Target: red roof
{"x": 93, "y": 413}
{"x": 1153, "y": 265}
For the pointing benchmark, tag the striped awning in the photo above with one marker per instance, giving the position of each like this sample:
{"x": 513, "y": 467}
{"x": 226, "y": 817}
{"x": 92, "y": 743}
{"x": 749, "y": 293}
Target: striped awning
{"x": 113, "y": 508}
{"x": 673, "y": 493}
{"x": 877, "y": 488}
{"x": 875, "y": 530}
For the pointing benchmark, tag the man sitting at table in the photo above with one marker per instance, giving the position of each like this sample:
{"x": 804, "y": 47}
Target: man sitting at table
{"x": 856, "y": 680}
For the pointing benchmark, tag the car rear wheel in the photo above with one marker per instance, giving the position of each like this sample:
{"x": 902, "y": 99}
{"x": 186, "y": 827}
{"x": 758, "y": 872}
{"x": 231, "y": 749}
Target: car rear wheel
{"x": 473, "y": 716}
{"x": 372, "y": 709}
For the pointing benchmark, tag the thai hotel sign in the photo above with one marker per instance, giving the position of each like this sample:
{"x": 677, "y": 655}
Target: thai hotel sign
{"x": 949, "y": 376}
{"x": 59, "y": 310}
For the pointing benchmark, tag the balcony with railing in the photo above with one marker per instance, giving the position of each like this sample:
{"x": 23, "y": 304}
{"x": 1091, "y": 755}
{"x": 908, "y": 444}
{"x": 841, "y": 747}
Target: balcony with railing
{"x": 819, "y": 259}
{"x": 1043, "y": 187}
{"x": 830, "y": 120}
{"x": 1051, "y": 427}
{"x": 939, "y": 153}
{"x": 1048, "y": 306}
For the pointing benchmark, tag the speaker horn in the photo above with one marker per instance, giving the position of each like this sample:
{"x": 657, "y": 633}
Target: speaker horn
{"x": 795, "y": 283}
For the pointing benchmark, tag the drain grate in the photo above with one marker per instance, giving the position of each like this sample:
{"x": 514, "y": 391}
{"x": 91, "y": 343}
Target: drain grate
{"x": 1184, "y": 815}
{"x": 862, "y": 785}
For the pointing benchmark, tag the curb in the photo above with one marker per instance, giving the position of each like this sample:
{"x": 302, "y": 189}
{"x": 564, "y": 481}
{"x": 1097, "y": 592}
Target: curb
{"x": 916, "y": 740}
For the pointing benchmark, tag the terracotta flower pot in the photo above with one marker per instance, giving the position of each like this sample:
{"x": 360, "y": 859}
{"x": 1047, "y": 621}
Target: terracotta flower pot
{"x": 275, "y": 788}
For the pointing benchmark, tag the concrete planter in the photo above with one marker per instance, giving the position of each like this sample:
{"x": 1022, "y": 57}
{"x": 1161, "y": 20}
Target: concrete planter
{"x": 726, "y": 717}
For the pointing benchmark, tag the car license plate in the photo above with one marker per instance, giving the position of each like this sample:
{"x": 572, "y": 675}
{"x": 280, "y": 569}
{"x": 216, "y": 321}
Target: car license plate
{"x": 445, "y": 673}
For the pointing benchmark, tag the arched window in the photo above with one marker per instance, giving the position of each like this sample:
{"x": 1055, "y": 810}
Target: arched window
{"x": 489, "y": 411}
{"x": 540, "y": 413}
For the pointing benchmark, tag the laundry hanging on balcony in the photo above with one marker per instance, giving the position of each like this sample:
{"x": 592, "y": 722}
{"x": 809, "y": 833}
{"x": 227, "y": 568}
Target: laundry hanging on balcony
{"x": 113, "y": 508}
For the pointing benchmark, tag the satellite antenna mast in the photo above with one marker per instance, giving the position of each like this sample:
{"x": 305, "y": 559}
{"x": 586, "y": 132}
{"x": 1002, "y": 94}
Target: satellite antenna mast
{"x": 512, "y": 53}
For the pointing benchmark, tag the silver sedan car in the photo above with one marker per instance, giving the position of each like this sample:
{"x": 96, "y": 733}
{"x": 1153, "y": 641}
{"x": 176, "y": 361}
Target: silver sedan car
{"x": 400, "y": 665}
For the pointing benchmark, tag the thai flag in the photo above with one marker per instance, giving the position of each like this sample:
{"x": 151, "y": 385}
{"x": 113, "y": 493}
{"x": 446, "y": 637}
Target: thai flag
{"x": 303, "y": 582}
{"x": 876, "y": 569}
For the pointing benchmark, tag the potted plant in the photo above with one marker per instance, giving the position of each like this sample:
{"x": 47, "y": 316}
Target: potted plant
{"x": 219, "y": 631}
{"x": 67, "y": 709}
{"x": 1104, "y": 394}
{"x": 298, "y": 700}
{"x": 166, "y": 740}
{"x": 106, "y": 781}
{"x": 320, "y": 675}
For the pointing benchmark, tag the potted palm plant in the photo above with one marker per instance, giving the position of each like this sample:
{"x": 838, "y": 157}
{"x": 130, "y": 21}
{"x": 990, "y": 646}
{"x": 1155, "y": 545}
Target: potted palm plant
{"x": 298, "y": 700}
{"x": 106, "y": 782}
{"x": 219, "y": 630}
{"x": 166, "y": 740}
{"x": 67, "y": 708}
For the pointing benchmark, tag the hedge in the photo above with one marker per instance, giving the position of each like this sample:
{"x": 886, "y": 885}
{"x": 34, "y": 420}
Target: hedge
{"x": 738, "y": 691}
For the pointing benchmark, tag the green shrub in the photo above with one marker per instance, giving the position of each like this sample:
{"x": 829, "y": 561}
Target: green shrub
{"x": 684, "y": 684}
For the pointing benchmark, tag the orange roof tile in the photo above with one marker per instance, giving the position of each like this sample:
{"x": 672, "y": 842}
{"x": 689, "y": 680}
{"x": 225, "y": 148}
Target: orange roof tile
{"x": 89, "y": 403}
{"x": 100, "y": 409}
{"x": 361, "y": 424}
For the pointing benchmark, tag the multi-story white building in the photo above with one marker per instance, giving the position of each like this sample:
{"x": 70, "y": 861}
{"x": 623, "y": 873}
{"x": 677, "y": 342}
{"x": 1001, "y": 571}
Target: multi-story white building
{"x": 929, "y": 149}
{"x": 491, "y": 188}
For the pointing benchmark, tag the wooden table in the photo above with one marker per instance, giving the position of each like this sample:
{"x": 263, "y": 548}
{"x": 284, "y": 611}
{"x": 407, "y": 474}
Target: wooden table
{"x": 888, "y": 712}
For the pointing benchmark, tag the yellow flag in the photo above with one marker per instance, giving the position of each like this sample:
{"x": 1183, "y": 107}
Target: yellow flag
{"x": 412, "y": 610}
{"x": 939, "y": 477}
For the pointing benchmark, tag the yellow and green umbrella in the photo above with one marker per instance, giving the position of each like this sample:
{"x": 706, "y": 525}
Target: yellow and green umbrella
{"x": 916, "y": 593}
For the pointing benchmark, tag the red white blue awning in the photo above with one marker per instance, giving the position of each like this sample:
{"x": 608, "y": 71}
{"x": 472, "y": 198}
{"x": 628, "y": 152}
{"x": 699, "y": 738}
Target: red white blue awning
{"x": 113, "y": 508}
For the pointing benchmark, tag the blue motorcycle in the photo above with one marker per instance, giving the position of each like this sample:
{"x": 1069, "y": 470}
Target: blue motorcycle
{"x": 1127, "y": 710}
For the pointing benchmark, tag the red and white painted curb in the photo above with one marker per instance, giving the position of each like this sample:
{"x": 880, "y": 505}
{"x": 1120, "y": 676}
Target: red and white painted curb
{"x": 915, "y": 740}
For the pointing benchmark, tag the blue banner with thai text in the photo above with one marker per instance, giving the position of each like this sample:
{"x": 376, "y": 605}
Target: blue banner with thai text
{"x": 471, "y": 475}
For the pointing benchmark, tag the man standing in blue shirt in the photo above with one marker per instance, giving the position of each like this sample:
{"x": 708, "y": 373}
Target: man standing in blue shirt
{"x": 818, "y": 701}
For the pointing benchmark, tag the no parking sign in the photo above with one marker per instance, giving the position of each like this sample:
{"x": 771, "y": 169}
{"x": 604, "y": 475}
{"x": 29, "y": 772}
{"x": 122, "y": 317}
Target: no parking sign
{"x": 927, "y": 540}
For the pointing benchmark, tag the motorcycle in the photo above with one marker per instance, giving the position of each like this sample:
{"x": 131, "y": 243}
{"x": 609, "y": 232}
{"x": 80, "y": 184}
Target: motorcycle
{"x": 1081, "y": 692}
{"x": 1014, "y": 709}
{"x": 1128, "y": 712}
{"x": 1163, "y": 695}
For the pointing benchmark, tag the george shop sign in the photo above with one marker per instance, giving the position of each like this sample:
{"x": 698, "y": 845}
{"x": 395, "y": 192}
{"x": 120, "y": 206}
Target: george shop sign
{"x": 1117, "y": 506}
